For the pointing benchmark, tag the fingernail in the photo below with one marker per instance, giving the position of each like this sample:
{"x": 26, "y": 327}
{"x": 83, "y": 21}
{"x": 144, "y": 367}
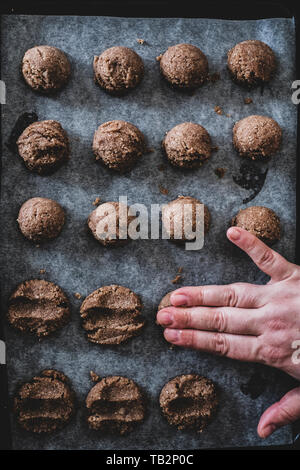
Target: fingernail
{"x": 179, "y": 299}
{"x": 165, "y": 318}
{"x": 172, "y": 335}
{"x": 234, "y": 234}
{"x": 268, "y": 430}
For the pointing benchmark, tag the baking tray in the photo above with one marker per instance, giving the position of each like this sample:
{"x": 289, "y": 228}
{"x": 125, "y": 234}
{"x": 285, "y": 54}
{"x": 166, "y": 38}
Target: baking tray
{"x": 155, "y": 9}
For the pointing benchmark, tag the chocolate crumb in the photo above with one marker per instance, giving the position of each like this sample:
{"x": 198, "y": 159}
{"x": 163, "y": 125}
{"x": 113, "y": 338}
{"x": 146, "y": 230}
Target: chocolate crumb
{"x": 77, "y": 295}
{"x": 177, "y": 279}
{"x": 42, "y": 271}
{"x": 218, "y": 110}
{"x": 214, "y": 77}
{"x": 158, "y": 58}
{"x": 215, "y": 149}
{"x": 141, "y": 41}
{"x": 97, "y": 201}
{"x": 180, "y": 269}
{"x": 163, "y": 190}
{"x": 94, "y": 376}
{"x": 220, "y": 172}
{"x": 248, "y": 100}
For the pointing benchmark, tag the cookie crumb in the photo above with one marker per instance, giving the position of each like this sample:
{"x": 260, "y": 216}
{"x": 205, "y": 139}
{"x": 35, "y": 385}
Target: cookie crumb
{"x": 180, "y": 269}
{"x": 163, "y": 190}
{"x": 97, "y": 201}
{"x": 228, "y": 115}
{"x": 150, "y": 150}
{"x": 158, "y": 58}
{"x": 77, "y": 295}
{"x": 218, "y": 110}
{"x": 162, "y": 167}
{"x": 214, "y": 77}
{"x": 177, "y": 279}
{"x": 215, "y": 149}
{"x": 141, "y": 41}
{"x": 42, "y": 271}
{"x": 95, "y": 377}
{"x": 248, "y": 100}
{"x": 220, "y": 172}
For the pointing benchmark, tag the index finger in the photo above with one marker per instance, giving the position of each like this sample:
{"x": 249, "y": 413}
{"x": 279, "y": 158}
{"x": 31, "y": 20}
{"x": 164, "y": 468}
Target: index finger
{"x": 266, "y": 259}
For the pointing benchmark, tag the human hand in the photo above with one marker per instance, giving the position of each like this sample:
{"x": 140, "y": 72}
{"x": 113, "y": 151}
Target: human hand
{"x": 248, "y": 322}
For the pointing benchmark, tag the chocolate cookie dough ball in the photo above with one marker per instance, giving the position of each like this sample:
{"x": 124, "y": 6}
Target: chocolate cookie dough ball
{"x": 165, "y": 301}
{"x": 38, "y": 307}
{"x": 187, "y": 145}
{"x": 41, "y": 219}
{"x": 44, "y": 146}
{"x": 118, "y": 145}
{"x": 173, "y": 218}
{"x": 184, "y": 66}
{"x": 189, "y": 402}
{"x": 115, "y": 405}
{"x": 260, "y": 221}
{"x": 45, "y": 69}
{"x": 111, "y": 315}
{"x": 251, "y": 63}
{"x": 257, "y": 137}
{"x": 118, "y": 70}
{"x": 45, "y": 403}
{"x": 109, "y": 224}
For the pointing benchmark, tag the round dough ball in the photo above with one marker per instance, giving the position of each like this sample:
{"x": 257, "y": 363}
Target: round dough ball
{"x": 41, "y": 219}
{"x": 184, "y": 66}
{"x": 115, "y": 405}
{"x": 189, "y": 401}
{"x": 257, "y": 137}
{"x": 174, "y": 210}
{"x": 44, "y": 146}
{"x": 112, "y": 315}
{"x": 45, "y": 69}
{"x": 109, "y": 222}
{"x": 118, "y": 145}
{"x": 187, "y": 145}
{"x": 118, "y": 70}
{"x": 38, "y": 307}
{"x": 45, "y": 403}
{"x": 260, "y": 221}
{"x": 251, "y": 63}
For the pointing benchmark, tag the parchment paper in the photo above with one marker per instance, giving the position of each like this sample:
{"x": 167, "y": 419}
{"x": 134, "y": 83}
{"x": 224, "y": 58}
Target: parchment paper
{"x": 78, "y": 264}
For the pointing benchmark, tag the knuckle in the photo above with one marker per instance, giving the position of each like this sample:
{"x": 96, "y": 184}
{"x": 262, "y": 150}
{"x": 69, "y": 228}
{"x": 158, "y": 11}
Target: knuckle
{"x": 276, "y": 324}
{"x": 220, "y": 344}
{"x": 251, "y": 244}
{"x": 199, "y": 297}
{"x": 266, "y": 258}
{"x": 218, "y": 321}
{"x": 184, "y": 317}
{"x": 231, "y": 297}
{"x": 285, "y": 415}
{"x": 271, "y": 355}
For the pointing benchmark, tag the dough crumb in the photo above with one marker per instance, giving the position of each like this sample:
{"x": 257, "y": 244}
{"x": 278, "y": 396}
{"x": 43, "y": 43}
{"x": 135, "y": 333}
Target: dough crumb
{"x": 97, "y": 201}
{"x": 215, "y": 149}
{"x": 214, "y": 77}
{"x": 158, "y": 58}
{"x": 220, "y": 172}
{"x": 248, "y": 100}
{"x": 228, "y": 115}
{"x": 141, "y": 41}
{"x": 77, "y": 295}
{"x": 163, "y": 190}
{"x": 95, "y": 377}
{"x": 42, "y": 271}
{"x": 218, "y": 110}
{"x": 180, "y": 269}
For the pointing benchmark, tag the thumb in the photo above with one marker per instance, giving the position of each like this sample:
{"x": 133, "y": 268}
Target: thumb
{"x": 285, "y": 411}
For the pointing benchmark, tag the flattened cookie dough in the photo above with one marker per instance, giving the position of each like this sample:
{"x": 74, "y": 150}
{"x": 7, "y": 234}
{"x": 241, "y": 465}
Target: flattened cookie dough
{"x": 44, "y": 146}
{"x": 45, "y": 403}
{"x": 187, "y": 145}
{"x": 165, "y": 301}
{"x": 118, "y": 145}
{"x": 184, "y": 66}
{"x": 109, "y": 223}
{"x": 38, "y": 307}
{"x": 189, "y": 402}
{"x": 41, "y": 219}
{"x": 111, "y": 315}
{"x": 115, "y": 405}
{"x": 118, "y": 70}
{"x": 261, "y": 221}
{"x": 257, "y": 137}
{"x": 46, "y": 69}
{"x": 173, "y": 215}
{"x": 251, "y": 63}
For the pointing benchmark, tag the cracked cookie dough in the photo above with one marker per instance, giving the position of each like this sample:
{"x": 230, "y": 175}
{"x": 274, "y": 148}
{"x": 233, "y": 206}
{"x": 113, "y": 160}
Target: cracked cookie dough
{"x": 118, "y": 145}
{"x": 111, "y": 315}
{"x": 251, "y": 63}
{"x": 44, "y": 146}
{"x": 184, "y": 66}
{"x": 45, "y": 403}
{"x": 115, "y": 405}
{"x": 109, "y": 223}
{"x": 189, "y": 402}
{"x": 187, "y": 145}
{"x": 38, "y": 307}
{"x": 41, "y": 219}
{"x": 174, "y": 211}
{"x": 46, "y": 69}
{"x": 118, "y": 70}
{"x": 260, "y": 221}
{"x": 257, "y": 137}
